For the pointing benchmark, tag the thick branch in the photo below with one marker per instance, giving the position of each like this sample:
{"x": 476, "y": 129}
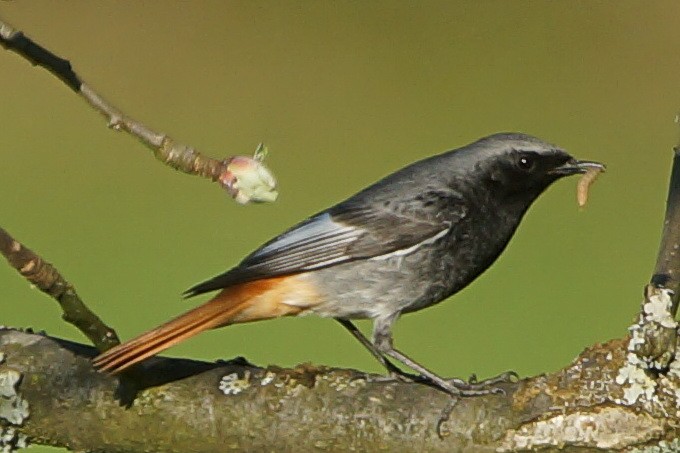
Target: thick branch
{"x": 667, "y": 270}
{"x": 202, "y": 407}
{"x": 48, "y": 279}
{"x": 655, "y": 335}
{"x": 244, "y": 178}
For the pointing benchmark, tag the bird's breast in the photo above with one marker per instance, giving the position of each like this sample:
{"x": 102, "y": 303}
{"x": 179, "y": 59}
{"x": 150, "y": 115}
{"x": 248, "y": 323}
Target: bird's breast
{"x": 416, "y": 277}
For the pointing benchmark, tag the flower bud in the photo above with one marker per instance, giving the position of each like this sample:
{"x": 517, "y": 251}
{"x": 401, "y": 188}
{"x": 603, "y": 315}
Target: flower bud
{"x": 247, "y": 179}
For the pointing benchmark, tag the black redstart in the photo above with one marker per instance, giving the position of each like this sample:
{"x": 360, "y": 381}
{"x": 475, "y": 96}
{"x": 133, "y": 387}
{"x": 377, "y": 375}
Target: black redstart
{"x": 407, "y": 242}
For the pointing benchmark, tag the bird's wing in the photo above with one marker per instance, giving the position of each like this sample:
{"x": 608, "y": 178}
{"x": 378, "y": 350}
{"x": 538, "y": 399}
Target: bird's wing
{"x": 345, "y": 233}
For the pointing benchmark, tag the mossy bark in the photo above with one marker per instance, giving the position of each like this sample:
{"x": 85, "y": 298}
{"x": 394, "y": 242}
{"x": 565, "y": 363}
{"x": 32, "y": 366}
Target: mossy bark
{"x": 185, "y": 406}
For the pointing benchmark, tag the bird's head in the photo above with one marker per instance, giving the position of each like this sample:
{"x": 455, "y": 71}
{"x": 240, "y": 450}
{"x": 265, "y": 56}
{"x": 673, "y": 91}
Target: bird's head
{"x": 519, "y": 167}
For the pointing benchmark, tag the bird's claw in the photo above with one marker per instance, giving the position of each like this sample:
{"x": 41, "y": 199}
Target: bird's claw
{"x": 395, "y": 376}
{"x": 454, "y": 386}
{"x": 384, "y": 379}
{"x": 402, "y": 376}
{"x": 441, "y": 429}
{"x": 472, "y": 387}
{"x": 473, "y": 384}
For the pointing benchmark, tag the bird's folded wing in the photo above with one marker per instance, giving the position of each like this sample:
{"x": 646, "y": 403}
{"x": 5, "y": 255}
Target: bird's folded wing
{"x": 343, "y": 233}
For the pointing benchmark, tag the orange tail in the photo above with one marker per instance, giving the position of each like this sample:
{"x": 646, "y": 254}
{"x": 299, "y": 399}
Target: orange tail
{"x": 251, "y": 301}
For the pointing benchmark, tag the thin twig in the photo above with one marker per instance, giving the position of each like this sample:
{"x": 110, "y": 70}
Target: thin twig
{"x": 43, "y": 275}
{"x": 244, "y": 178}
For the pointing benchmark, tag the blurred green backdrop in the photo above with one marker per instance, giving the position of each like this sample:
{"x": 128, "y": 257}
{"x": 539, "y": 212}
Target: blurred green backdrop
{"x": 342, "y": 93}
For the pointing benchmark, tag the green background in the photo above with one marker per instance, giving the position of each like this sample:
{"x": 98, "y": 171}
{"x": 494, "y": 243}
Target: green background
{"x": 342, "y": 93}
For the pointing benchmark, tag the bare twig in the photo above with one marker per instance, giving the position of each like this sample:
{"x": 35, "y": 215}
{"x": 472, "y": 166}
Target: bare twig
{"x": 244, "y": 178}
{"x": 50, "y": 281}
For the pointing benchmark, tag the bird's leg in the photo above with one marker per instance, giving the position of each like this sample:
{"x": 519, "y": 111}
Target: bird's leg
{"x": 393, "y": 370}
{"x": 382, "y": 340}
{"x": 472, "y": 383}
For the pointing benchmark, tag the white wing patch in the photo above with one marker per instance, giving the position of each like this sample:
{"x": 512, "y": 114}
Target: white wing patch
{"x": 323, "y": 241}
{"x": 407, "y": 251}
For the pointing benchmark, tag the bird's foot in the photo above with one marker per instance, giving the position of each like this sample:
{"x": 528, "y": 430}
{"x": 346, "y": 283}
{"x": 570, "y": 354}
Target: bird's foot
{"x": 453, "y": 386}
{"x": 397, "y": 375}
{"x": 441, "y": 427}
{"x": 454, "y": 389}
{"x": 402, "y": 376}
{"x": 473, "y": 384}
{"x": 471, "y": 387}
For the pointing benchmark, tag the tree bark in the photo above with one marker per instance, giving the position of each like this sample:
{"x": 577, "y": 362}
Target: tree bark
{"x": 187, "y": 406}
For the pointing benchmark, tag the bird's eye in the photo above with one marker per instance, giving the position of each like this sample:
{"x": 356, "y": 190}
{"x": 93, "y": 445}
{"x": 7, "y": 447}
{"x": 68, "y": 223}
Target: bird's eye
{"x": 526, "y": 163}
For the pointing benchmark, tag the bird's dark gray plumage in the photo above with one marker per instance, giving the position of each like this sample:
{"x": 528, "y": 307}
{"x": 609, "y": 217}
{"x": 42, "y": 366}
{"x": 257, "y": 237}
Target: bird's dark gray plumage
{"x": 408, "y": 207}
{"x": 404, "y": 243}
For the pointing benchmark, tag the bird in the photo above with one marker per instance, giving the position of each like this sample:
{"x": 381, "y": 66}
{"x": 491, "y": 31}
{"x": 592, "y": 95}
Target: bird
{"x": 406, "y": 242}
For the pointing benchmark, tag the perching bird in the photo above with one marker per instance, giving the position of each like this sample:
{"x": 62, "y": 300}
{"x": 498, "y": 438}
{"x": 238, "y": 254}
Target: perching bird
{"x": 405, "y": 243}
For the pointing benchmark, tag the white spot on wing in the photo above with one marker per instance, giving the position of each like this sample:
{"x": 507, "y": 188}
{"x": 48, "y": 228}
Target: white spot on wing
{"x": 407, "y": 251}
{"x": 326, "y": 262}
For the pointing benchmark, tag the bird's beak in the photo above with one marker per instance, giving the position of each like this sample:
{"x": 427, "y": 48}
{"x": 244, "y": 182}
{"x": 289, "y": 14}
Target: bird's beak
{"x": 573, "y": 167}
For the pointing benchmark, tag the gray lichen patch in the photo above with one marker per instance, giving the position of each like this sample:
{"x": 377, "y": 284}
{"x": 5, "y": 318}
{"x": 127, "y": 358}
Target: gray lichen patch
{"x": 669, "y": 385}
{"x": 341, "y": 382}
{"x": 12, "y": 440}
{"x": 651, "y": 352}
{"x": 654, "y": 335}
{"x": 13, "y": 408}
{"x": 8, "y": 382}
{"x": 268, "y": 378}
{"x": 231, "y": 384}
{"x": 662, "y": 447}
{"x": 657, "y": 308}
{"x": 609, "y": 428}
{"x": 637, "y": 385}
{"x": 17, "y": 337}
